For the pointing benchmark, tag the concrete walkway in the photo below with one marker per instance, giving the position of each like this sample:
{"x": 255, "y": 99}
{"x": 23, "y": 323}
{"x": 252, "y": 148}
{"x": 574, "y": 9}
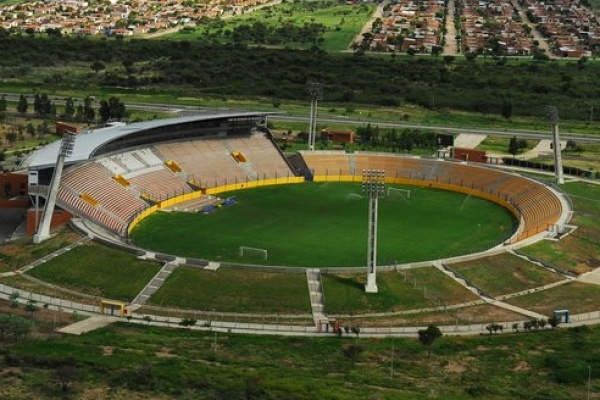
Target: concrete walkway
{"x": 315, "y": 291}
{"x": 88, "y": 325}
{"x": 468, "y": 140}
{"x": 543, "y": 148}
{"x": 155, "y": 283}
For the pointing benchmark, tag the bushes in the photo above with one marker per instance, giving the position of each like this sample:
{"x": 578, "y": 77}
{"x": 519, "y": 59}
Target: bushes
{"x": 481, "y": 85}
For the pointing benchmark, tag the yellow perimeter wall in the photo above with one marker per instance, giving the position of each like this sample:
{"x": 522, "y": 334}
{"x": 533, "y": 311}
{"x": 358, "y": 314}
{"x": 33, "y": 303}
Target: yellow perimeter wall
{"x": 220, "y": 189}
{"x": 319, "y": 178}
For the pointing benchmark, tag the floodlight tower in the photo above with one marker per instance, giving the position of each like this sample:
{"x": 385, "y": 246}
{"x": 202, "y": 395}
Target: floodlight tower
{"x": 552, "y": 113}
{"x": 66, "y": 149}
{"x": 316, "y": 93}
{"x": 373, "y": 183}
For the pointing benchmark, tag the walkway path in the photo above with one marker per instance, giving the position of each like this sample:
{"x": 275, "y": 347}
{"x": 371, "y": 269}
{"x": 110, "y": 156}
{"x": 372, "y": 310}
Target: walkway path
{"x": 88, "y": 324}
{"x": 544, "y": 147}
{"x": 315, "y": 291}
{"x": 468, "y": 140}
{"x": 154, "y": 284}
{"x": 50, "y": 256}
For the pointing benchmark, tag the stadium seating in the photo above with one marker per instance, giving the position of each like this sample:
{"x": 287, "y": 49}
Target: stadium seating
{"x": 113, "y": 189}
{"x": 538, "y": 206}
{"x": 93, "y": 180}
{"x": 211, "y": 162}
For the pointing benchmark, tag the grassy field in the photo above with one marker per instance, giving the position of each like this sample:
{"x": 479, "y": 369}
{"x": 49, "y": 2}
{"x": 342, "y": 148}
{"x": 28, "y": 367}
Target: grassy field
{"x": 403, "y": 290}
{"x": 574, "y": 296}
{"x": 578, "y": 252}
{"x": 232, "y": 290}
{"x": 317, "y": 225}
{"x": 342, "y": 23}
{"x": 17, "y": 254}
{"x": 504, "y": 274}
{"x": 135, "y": 362}
{"x": 97, "y": 270}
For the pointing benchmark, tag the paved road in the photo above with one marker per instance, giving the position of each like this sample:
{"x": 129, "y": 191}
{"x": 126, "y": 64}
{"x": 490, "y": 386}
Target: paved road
{"x": 450, "y": 48}
{"x": 342, "y": 119}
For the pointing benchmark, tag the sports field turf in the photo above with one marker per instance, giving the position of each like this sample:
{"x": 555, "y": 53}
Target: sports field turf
{"x": 325, "y": 224}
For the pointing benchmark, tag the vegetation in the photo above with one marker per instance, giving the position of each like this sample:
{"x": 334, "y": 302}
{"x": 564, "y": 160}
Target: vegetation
{"x": 324, "y": 24}
{"x": 231, "y": 290}
{"x": 139, "y": 361}
{"x": 98, "y": 270}
{"x": 289, "y": 219}
{"x": 182, "y": 67}
{"x": 504, "y": 274}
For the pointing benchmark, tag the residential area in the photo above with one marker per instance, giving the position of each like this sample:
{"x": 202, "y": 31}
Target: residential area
{"x": 533, "y": 28}
{"x": 554, "y": 28}
{"x": 125, "y": 18}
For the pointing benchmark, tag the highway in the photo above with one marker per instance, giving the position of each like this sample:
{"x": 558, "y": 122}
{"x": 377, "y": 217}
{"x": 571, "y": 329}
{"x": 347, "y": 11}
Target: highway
{"x": 342, "y": 119}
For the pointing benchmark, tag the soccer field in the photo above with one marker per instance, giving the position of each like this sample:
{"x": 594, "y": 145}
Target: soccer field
{"x": 325, "y": 224}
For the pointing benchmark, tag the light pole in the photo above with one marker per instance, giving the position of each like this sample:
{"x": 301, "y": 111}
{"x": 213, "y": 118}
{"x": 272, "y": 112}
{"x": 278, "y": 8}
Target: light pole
{"x": 316, "y": 93}
{"x": 66, "y": 149}
{"x": 552, "y": 113}
{"x": 589, "y": 381}
{"x": 373, "y": 183}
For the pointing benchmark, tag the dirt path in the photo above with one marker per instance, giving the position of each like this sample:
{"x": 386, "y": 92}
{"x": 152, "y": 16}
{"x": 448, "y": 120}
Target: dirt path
{"x": 536, "y": 35}
{"x": 224, "y": 16}
{"x": 450, "y": 47}
{"x": 367, "y": 27}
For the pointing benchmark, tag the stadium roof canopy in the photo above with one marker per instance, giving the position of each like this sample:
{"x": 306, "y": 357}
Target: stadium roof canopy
{"x": 87, "y": 143}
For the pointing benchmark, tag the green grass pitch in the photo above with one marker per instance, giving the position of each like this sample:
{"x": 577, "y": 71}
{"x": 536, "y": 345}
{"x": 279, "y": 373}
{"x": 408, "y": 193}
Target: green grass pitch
{"x": 325, "y": 224}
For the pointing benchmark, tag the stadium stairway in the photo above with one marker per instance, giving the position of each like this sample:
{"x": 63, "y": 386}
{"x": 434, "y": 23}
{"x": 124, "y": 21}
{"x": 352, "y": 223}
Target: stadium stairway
{"x": 484, "y": 296}
{"x": 315, "y": 291}
{"x": 154, "y": 284}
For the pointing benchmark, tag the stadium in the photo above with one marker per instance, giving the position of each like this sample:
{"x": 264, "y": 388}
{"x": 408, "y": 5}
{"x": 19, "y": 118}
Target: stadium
{"x": 197, "y": 198}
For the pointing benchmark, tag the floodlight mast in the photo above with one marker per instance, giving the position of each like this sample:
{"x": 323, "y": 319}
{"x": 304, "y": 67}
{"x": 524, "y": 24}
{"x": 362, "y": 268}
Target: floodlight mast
{"x": 316, "y": 93}
{"x": 373, "y": 184}
{"x": 66, "y": 149}
{"x": 552, "y": 114}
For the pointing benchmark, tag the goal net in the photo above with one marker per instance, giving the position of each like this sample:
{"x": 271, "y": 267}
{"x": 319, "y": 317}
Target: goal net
{"x": 253, "y": 252}
{"x": 397, "y": 192}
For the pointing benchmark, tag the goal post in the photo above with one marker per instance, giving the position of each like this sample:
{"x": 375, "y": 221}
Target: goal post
{"x": 247, "y": 251}
{"x": 391, "y": 191}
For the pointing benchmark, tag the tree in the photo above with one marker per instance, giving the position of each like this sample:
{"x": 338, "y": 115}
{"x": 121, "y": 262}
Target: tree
{"x": 69, "y": 108}
{"x": 507, "y": 108}
{"x": 188, "y": 322}
{"x": 513, "y": 146}
{"x": 554, "y": 321}
{"x": 11, "y": 138}
{"x": 428, "y": 336}
{"x": 97, "y": 66}
{"x": 66, "y": 374}
{"x": 3, "y": 103}
{"x": 89, "y": 114}
{"x": 22, "y": 105}
{"x": 30, "y": 307}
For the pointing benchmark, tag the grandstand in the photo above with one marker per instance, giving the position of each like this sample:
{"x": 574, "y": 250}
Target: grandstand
{"x": 537, "y": 207}
{"x": 120, "y": 174}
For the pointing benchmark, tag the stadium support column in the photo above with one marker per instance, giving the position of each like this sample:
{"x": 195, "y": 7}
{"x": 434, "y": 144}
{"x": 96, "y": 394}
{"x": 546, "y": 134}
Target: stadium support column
{"x": 66, "y": 149}
{"x": 553, "y": 119}
{"x": 373, "y": 184}
{"x": 316, "y": 94}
